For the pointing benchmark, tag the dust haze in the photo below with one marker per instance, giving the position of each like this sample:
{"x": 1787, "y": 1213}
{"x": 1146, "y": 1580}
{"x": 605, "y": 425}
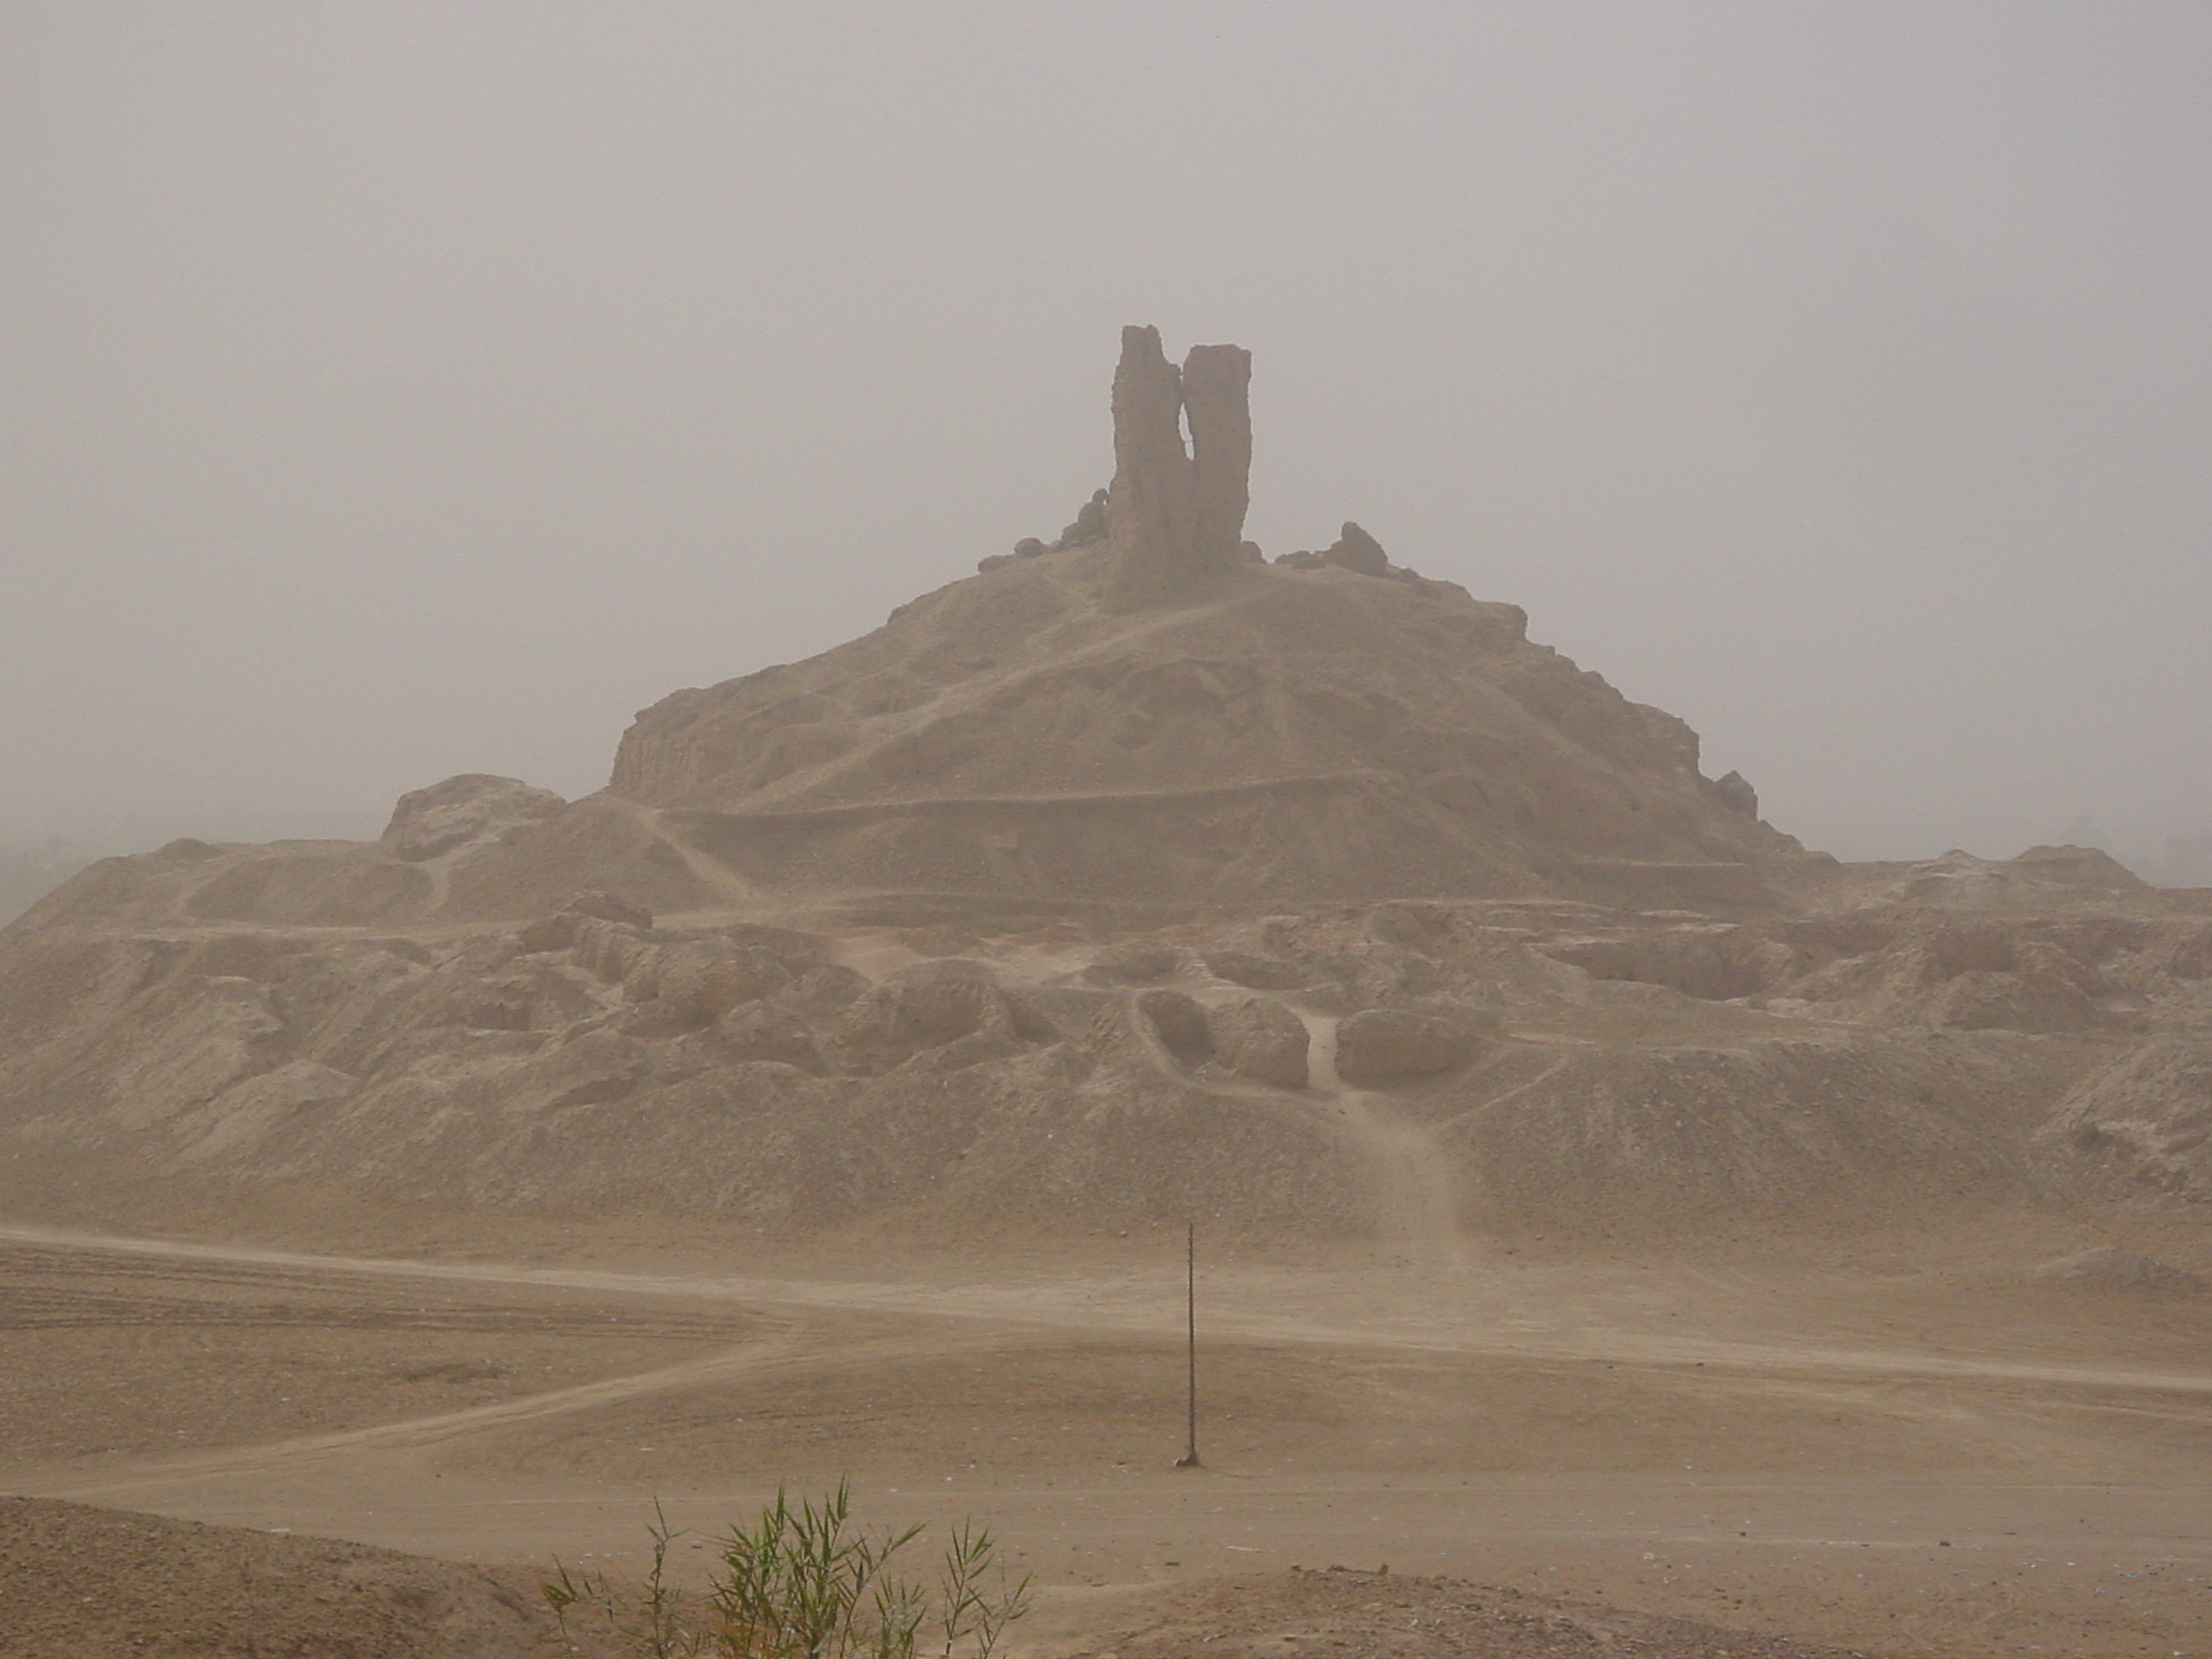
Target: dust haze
{"x": 402, "y": 391}
{"x": 781, "y": 823}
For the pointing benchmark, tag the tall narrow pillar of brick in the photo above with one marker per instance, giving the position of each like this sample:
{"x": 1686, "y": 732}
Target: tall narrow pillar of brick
{"x": 1218, "y": 401}
{"x": 1150, "y": 510}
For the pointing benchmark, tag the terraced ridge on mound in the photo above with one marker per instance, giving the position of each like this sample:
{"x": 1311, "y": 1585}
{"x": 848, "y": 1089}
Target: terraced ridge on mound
{"x": 1307, "y": 733}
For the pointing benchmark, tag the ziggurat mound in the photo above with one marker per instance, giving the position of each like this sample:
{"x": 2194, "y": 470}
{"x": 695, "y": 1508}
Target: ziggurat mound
{"x": 1053, "y": 901}
{"x": 1299, "y": 735}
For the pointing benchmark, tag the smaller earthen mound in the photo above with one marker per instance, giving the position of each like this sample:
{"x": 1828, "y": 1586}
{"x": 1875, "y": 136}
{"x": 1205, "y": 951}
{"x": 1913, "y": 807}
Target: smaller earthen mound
{"x": 558, "y": 932}
{"x": 2087, "y": 869}
{"x": 1180, "y": 1024}
{"x": 1395, "y": 1615}
{"x": 1396, "y": 1045}
{"x": 1258, "y": 1038}
{"x": 952, "y": 1010}
{"x": 2044, "y": 878}
{"x": 1983, "y": 1000}
{"x": 83, "y": 1583}
{"x": 701, "y": 979}
{"x": 1088, "y": 528}
{"x": 2109, "y": 1269}
{"x": 473, "y": 807}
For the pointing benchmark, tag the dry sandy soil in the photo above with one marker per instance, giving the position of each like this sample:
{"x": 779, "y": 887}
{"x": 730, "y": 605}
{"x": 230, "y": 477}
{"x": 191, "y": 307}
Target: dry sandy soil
{"x": 1895, "y": 1455}
{"x": 86, "y": 1583}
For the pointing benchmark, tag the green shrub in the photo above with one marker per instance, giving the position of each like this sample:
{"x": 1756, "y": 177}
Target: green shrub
{"x": 803, "y": 1583}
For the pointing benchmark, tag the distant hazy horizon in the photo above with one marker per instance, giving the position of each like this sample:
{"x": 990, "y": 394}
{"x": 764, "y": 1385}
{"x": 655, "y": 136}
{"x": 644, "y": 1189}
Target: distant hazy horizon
{"x": 388, "y": 392}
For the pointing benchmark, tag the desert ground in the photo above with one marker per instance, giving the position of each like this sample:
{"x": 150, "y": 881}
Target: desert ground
{"x": 1897, "y": 1449}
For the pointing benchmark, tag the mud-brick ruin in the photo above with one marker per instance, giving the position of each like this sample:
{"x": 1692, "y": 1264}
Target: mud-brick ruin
{"x": 1132, "y": 875}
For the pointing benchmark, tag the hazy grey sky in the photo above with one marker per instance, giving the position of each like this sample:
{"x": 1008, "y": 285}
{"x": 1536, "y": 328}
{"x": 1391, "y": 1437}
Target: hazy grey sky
{"x": 389, "y": 390}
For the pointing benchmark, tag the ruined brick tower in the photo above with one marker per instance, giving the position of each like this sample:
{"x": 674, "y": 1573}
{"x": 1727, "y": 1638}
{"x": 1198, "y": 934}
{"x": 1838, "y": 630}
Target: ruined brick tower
{"x": 1175, "y": 516}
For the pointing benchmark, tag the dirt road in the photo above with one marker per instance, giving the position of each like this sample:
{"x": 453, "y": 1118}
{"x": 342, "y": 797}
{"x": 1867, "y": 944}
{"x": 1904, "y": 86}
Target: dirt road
{"x": 1673, "y": 1444}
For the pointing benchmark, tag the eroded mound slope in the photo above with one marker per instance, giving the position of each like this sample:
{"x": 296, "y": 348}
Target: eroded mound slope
{"x": 1294, "y": 735}
{"x": 1305, "y": 734}
{"x": 1364, "y": 1071}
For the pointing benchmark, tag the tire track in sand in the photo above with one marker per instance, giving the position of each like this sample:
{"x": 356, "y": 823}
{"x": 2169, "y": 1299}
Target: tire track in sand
{"x": 1081, "y": 1307}
{"x": 768, "y": 1357}
{"x": 1416, "y": 1208}
{"x": 1416, "y": 1213}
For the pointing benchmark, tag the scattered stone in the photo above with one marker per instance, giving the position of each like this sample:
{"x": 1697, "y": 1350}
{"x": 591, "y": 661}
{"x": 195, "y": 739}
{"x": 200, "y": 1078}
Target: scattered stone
{"x": 1088, "y": 528}
{"x": 1412, "y": 928}
{"x": 548, "y": 933}
{"x": 1356, "y": 550}
{"x": 499, "y": 1005}
{"x": 1427, "y": 589}
{"x": 617, "y": 953}
{"x": 1736, "y": 794}
{"x": 824, "y": 995}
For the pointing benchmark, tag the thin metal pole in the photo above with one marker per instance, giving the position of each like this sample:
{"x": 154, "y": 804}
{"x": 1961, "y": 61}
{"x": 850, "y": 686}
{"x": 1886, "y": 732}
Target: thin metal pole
{"x": 1189, "y": 1459}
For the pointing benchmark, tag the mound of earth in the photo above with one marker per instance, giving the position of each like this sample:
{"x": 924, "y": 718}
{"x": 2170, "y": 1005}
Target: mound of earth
{"x": 1386, "y": 1616}
{"x": 83, "y": 1583}
{"x": 2138, "y": 1123}
{"x": 1159, "y": 715}
{"x": 1146, "y": 714}
{"x": 1132, "y": 878}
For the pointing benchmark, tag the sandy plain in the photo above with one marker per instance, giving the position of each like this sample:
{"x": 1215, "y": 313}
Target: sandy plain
{"x": 1882, "y": 1445}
